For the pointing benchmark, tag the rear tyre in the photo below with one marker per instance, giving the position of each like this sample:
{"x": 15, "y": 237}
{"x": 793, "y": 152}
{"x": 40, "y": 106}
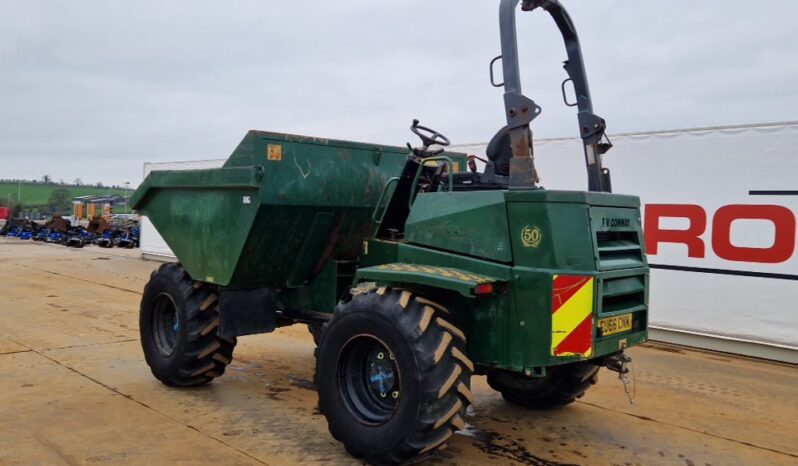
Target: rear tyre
{"x": 561, "y": 386}
{"x": 178, "y": 323}
{"x": 392, "y": 376}
{"x": 315, "y": 329}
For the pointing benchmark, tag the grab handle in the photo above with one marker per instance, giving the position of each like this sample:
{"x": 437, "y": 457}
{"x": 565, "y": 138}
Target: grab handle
{"x": 391, "y": 181}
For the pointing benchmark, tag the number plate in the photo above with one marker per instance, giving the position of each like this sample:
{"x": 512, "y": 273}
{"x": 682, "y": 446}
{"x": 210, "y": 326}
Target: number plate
{"x": 613, "y": 325}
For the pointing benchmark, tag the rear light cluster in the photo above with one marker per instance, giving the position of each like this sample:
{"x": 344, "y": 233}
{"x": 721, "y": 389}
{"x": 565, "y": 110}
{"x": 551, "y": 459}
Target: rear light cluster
{"x": 483, "y": 289}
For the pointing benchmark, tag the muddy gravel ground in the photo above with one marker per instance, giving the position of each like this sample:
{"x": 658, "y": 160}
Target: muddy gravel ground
{"x": 75, "y": 390}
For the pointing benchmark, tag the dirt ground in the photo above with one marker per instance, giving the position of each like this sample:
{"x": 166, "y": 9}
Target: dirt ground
{"x": 75, "y": 390}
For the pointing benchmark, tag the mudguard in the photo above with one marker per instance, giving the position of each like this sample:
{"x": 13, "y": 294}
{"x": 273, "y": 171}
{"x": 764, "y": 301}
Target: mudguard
{"x": 458, "y": 280}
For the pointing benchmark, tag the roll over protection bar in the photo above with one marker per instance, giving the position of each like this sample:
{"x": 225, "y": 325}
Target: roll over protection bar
{"x": 520, "y": 110}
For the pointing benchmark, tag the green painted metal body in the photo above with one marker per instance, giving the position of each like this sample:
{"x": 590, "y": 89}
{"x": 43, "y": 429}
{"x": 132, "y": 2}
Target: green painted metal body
{"x": 299, "y": 219}
{"x": 581, "y": 233}
{"x": 279, "y": 210}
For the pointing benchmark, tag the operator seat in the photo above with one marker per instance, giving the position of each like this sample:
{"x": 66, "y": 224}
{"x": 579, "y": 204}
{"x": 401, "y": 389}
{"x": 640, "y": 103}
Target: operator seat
{"x": 499, "y": 151}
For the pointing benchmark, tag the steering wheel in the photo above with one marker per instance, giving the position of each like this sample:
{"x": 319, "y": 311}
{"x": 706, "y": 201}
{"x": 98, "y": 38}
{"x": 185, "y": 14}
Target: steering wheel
{"x": 429, "y": 136}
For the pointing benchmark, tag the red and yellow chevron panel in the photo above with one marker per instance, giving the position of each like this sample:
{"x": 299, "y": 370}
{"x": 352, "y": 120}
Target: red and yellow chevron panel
{"x": 572, "y": 316}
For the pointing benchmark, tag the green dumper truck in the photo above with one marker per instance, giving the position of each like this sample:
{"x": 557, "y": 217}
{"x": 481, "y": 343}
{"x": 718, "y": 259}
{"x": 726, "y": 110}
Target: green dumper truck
{"x": 413, "y": 270}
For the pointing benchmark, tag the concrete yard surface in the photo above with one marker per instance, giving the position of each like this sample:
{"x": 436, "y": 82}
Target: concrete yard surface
{"x": 75, "y": 390}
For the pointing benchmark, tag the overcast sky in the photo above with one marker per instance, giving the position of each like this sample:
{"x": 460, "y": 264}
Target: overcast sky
{"x": 93, "y": 89}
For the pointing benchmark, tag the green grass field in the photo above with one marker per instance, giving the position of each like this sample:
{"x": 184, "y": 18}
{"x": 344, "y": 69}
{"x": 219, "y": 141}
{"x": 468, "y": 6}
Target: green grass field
{"x": 36, "y": 194}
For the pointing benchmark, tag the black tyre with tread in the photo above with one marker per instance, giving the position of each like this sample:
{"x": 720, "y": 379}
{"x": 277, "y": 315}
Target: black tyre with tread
{"x": 561, "y": 386}
{"x": 192, "y": 353}
{"x": 432, "y": 369}
{"x": 315, "y": 330}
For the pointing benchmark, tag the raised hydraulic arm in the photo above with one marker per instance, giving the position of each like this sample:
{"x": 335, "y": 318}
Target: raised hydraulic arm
{"x": 520, "y": 110}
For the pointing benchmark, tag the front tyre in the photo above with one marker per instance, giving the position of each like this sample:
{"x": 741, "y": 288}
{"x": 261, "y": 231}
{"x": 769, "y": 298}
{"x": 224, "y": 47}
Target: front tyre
{"x": 178, "y": 324}
{"x": 392, "y": 376}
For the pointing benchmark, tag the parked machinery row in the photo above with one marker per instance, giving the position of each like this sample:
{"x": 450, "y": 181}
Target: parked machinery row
{"x": 61, "y": 231}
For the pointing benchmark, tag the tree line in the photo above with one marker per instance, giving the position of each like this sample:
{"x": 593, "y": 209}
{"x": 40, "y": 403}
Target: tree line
{"x": 48, "y": 180}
